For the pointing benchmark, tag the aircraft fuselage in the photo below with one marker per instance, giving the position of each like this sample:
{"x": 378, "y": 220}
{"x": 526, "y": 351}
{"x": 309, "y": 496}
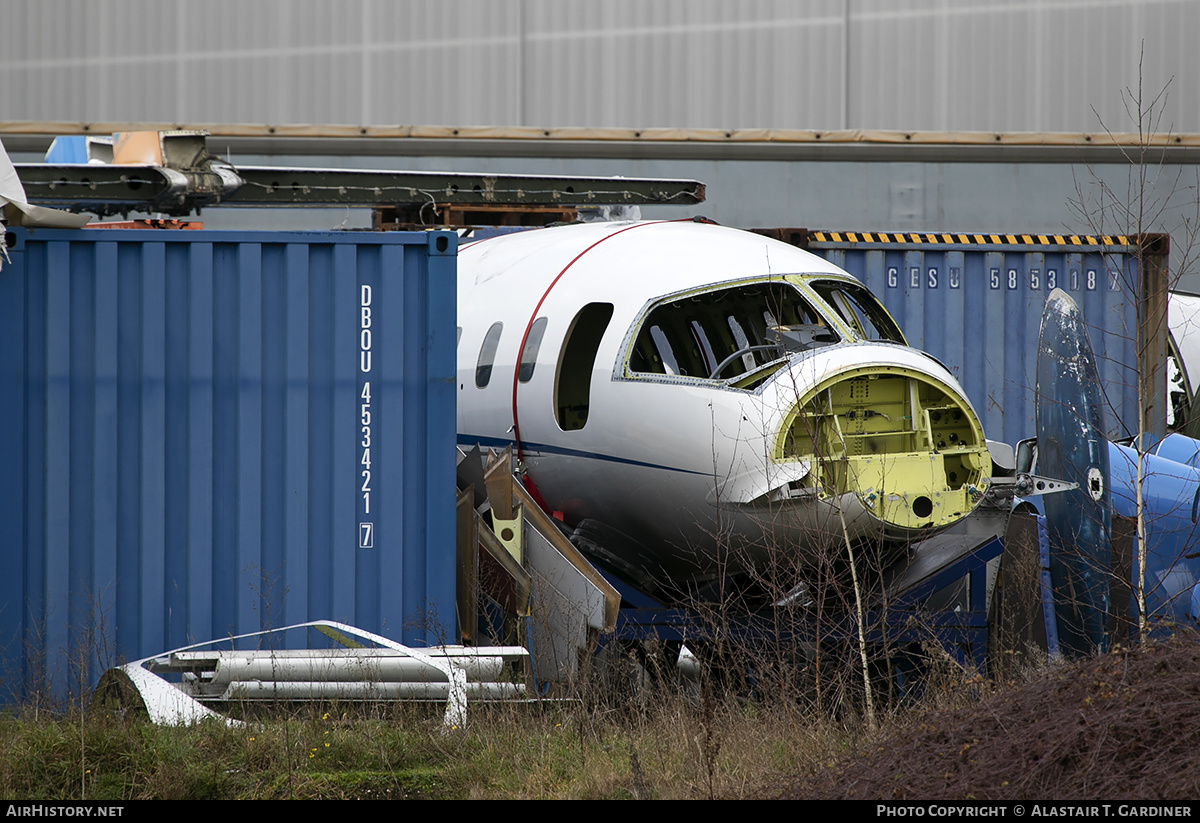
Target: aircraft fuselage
{"x": 699, "y": 387}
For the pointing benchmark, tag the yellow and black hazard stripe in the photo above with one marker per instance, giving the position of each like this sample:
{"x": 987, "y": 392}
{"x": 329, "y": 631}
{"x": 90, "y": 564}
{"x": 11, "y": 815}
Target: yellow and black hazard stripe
{"x": 956, "y": 239}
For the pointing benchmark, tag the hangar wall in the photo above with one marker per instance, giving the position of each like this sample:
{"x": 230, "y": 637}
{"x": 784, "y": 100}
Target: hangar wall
{"x": 1041, "y": 66}
{"x": 1017, "y": 65}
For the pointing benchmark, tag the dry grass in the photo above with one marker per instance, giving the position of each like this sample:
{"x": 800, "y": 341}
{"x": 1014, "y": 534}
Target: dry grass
{"x": 667, "y": 744}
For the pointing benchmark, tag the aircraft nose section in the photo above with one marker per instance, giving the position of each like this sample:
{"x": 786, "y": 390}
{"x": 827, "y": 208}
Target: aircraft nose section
{"x": 904, "y": 443}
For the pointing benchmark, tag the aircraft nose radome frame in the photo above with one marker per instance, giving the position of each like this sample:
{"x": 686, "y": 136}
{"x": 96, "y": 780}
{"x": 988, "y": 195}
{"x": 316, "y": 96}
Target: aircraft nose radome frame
{"x": 880, "y": 431}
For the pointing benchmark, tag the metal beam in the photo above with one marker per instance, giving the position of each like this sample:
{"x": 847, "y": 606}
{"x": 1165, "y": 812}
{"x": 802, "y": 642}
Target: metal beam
{"x": 115, "y": 189}
{"x": 267, "y": 186}
{"x": 99, "y": 188}
{"x": 648, "y": 143}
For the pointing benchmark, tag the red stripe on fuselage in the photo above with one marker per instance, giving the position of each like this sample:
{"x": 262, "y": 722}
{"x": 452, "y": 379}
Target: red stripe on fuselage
{"x": 537, "y": 308}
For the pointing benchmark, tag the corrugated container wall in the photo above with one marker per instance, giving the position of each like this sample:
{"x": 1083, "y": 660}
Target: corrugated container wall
{"x": 209, "y": 433}
{"x": 978, "y": 309}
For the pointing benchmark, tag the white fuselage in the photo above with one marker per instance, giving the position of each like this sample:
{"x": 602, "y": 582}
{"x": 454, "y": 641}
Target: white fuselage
{"x": 684, "y": 464}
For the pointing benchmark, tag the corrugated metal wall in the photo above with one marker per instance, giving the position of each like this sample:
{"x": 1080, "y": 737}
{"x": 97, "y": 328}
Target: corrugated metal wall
{"x": 1012, "y": 65}
{"x": 978, "y": 309}
{"x": 208, "y": 433}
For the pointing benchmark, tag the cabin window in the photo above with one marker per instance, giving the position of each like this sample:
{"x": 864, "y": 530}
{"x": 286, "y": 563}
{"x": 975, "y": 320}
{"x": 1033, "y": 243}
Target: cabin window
{"x": 860, "y": 309}
{"x": 529, "y": 354}
{"x": 573, "y": 384}
{"x": 725, "y": 333}
{"x": 487, "y": 354}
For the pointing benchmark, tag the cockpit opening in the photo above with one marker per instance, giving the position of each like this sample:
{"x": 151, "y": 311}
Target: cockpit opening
{"x": 719, "y": 335}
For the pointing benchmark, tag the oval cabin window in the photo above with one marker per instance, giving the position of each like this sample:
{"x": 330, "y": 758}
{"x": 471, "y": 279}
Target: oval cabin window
{"x": 529, "y": 354}
{"x": 487, "y": 355}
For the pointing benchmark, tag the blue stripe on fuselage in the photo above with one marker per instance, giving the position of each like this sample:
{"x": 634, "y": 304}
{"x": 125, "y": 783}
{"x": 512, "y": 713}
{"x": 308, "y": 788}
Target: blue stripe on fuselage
{"x": 499, "y": 443}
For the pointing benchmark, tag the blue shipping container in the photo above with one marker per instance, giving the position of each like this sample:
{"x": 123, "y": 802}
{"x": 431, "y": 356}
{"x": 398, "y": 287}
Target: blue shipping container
{"x": 209, "y": 433}
{"x": 977, "y": 307}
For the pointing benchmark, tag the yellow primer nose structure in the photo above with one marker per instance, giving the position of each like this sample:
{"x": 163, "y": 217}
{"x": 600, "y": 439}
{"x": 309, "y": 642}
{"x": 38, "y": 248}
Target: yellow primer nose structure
{"x": 904, "y": 443}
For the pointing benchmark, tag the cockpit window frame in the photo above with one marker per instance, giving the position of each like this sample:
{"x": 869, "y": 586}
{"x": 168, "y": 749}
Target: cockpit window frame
{"x": 752, "y": 378}
{"x": 853, "y": 282}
